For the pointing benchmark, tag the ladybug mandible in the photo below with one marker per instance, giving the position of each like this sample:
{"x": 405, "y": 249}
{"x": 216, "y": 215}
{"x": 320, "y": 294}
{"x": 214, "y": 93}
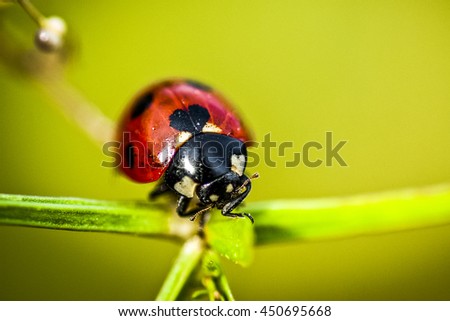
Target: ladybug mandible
{"x": 186, "y": 132}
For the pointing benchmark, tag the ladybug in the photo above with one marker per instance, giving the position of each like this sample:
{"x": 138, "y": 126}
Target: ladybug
{"x": 188, "y": 136}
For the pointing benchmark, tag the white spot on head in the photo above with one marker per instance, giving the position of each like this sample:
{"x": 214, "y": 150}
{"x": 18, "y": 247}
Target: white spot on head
{"x": 229, "y": 188}
{"x": 186, "y": 187}
{"x": 214, "y": 197}
{"x": 182, "y": 138}
{"x": 238, "y": 164}
{"x": 166, "y": 154}
{"x": 211, "y": 128}
{"x": 188, "y": 166}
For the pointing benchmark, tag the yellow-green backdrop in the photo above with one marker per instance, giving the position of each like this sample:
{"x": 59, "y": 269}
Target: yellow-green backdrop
{"x": 375, "y": 73}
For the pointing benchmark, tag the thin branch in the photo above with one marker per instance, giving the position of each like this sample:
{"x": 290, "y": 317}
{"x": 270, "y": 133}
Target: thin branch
{"x": 46, "y": 70}
{"x": 77, "y": 214}
{"x": 343, "y": 217}
{"x": 32, "y": 11}
{"x": 181, "y": 270}
{"x": 74, "y": 105}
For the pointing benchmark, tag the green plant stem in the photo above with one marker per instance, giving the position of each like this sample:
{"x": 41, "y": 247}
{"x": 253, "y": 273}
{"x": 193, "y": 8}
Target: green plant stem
{"x": 218, "y": 277}
{"x": 46, "y": 71}
{"x": 140, "y": 218}
{"x": 214, "y": 279}
{"x": 225, "y": 288}
{"x": 32, "y": 11}
{"x": 339, "y": 217}
{"x": 181, "y": 270}
{"x": 275, "y": 221}
{"x": 70, "y": 101}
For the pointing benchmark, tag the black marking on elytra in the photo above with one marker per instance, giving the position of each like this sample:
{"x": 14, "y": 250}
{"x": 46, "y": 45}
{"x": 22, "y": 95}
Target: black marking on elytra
{"x": 129, "y": 155}
{"x": 141, "y": 105}
{"x": 198, "y": 85}
{"x": 191, "y": 120}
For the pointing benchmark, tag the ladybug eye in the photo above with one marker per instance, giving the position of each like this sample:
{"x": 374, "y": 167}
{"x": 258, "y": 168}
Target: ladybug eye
{"x": 141, "y": 105}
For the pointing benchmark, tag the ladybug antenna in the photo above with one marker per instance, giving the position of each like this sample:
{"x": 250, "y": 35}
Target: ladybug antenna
{"x": 254, "y": 175}
{"x": 203, "y": 210}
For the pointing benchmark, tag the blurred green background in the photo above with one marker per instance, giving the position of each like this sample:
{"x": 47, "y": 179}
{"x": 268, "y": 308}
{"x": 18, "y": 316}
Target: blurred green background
{"x": 375, "y": 73}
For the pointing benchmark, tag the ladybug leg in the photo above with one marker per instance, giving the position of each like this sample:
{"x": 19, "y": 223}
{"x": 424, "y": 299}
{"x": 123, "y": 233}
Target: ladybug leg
{"x": 183, "y": 203}
{"x": 247, "y": 215}
{"x": 158, "y": 190}
{"x": 226, "y": 210}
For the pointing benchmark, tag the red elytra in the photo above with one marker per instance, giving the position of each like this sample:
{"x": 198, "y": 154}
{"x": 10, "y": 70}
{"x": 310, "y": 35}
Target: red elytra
{"x": 148, "y": 142}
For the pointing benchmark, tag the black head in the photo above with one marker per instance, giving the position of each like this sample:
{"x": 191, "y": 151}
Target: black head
{"x": 204, "y": 159}
{"x": 229, "y": 188}
{"x": 210, "y": 166}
